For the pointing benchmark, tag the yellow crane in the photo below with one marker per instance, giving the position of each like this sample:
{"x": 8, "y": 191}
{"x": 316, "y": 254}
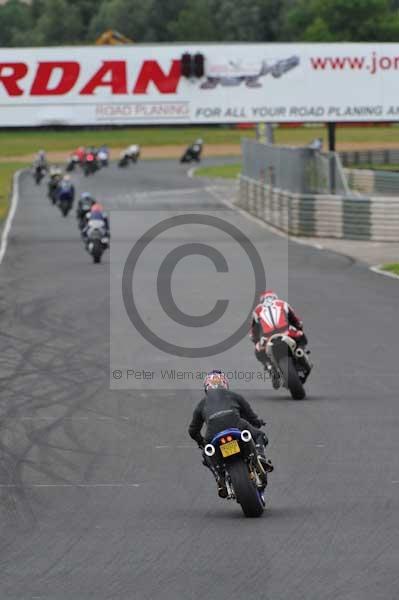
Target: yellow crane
{"x": 112, "y": 38}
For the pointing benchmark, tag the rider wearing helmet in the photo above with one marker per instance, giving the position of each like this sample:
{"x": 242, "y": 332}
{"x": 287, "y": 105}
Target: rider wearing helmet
{"x": 85, "y": 204}
{"x": 273, "y": 315}
{"x": 220, "y": 409}
{"x": 97, "y": 213}
{"x": 66, "y": 189}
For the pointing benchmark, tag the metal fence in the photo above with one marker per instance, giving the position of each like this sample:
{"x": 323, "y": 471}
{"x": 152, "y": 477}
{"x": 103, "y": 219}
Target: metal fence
{"x": 298, "y": 170}
{"x": 370, "y": 157}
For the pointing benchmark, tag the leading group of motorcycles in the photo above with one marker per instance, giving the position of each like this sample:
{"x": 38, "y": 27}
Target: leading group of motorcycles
{"x": 93, "y": 222}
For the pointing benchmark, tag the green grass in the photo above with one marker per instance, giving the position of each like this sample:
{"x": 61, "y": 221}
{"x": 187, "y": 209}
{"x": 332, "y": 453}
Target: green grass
{"x": 27, "y": 142}
{"x": 227, "y": 171}
{"x": 376, "y": 167}
{"x": 7, "y": 171}
{"x": 19, "y": 143}
{"x": 392, "y": 268}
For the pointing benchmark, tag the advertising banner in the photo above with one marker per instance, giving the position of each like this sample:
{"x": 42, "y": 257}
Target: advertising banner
{"x": 142, "y": 84}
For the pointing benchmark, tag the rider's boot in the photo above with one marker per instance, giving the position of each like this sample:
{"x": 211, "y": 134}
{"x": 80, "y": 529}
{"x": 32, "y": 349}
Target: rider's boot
{"x": 220, "y": 481}
{"x": 264, "y": 463}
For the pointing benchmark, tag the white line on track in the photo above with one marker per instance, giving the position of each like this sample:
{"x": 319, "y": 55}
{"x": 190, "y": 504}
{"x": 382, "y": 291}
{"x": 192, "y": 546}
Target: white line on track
{"x": 378, "y": 269}
{"x": 10, "y": 216}
{"x": 185, "y": 446}
{"x": 69, "y": 485}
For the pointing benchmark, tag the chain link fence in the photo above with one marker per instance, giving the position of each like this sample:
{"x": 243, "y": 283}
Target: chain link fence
{"x": 298, "y": 170}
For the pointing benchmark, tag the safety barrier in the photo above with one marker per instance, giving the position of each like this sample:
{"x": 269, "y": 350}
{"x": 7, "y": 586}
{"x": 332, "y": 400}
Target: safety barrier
{"x": 321, "y": 215}
{"x": 370, "y": 157}
{"x": 376, "y": 183}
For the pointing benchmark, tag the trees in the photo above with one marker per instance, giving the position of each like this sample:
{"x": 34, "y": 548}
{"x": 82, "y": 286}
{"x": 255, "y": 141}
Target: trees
{"x": 130, "y": 17}
{"x": 52, "y": 22}
{"x": 340, "y": 20}
{"x": 59, "y": 23}
{"x": 15, "y": 20}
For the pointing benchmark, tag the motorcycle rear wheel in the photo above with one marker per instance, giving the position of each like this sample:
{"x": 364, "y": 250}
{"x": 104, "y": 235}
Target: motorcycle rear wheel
{"x": 291, "y": 378}
{"x": 97, "y": 251}
{"x": 245, "y": 490}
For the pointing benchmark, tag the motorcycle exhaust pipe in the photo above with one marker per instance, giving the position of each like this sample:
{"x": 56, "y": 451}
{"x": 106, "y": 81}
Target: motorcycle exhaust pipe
{"x": 209, "y": 450}
{"x": 299, "y": 353}
{"x": 246, "y": 435}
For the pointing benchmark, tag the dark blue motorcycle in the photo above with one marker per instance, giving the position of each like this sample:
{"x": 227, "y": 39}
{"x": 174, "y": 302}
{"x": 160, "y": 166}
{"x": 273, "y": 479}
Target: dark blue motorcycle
{"x": 65, "y": 197}
{"x": 232, "y": 453}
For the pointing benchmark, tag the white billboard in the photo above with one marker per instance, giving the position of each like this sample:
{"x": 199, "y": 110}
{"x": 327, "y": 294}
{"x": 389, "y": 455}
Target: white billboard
{"x": 142, "y": 84}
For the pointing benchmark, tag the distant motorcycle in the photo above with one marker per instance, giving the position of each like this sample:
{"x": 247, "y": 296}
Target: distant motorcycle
{"x": 72, "y": 163}
{"x": 193, "y": 152}
{"x": 65, "y": 196}
{"x": 288, "y": 364}
{"x": 83, "y": 209}
{"x": 131, "y": 154}
{"x": 233, "y": 454}
{"x": 39, "y": 173}
{"x": 55, "y": 178}
{"x": 65, "y": 205}
{"x": 90, "y": 165}
{"x": 97, "y": 240}
{"x": 103, "y": 156}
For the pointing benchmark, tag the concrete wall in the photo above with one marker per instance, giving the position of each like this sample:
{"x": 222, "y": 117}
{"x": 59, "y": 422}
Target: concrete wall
{"x": 360, "y": 218}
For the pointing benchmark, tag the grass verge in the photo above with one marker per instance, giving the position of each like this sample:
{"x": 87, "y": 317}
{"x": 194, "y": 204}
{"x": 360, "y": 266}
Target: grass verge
{"x": 226, "y": 171}
{"x": 27, "y": 142}
{"x": 376, "y": 167}
{"x": 7, "y": 171}
{"x": 391, "y": 268}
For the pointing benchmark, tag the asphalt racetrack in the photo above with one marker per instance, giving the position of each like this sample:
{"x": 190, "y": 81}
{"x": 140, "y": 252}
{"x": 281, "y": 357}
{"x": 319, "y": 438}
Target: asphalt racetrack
{"x": 103, "y": 495}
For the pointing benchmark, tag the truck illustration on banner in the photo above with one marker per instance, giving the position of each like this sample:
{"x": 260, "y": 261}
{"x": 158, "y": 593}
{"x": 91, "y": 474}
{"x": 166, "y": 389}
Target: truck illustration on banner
{"x": 232, "y": 73}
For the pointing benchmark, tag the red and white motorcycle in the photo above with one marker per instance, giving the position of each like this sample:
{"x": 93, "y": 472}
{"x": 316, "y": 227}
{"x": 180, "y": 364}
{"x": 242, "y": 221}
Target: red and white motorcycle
{"x": 286, "y": 362}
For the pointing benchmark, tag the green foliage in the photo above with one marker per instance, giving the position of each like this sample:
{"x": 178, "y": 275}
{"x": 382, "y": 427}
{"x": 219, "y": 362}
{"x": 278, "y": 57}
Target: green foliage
{"x": 130, "y": 17}
{"x": 59, "y": 23}
{"x": 343, "y": 21}
{"x": 55, "y": 22}
{"x": 15, "y": 18}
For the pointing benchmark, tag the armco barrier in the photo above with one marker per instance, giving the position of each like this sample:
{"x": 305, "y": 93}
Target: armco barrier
{"x": 355, "y": 218}
{"x": 376, "y": 183}
{"x": 382, "y": 156}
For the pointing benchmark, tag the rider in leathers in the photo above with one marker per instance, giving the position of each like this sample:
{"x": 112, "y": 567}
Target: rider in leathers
{"x": 273, "y": 315}
{"x": 220, "y": 409}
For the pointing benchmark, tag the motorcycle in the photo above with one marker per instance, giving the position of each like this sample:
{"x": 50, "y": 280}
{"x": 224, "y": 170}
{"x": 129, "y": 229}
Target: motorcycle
{"x": 103, "y": 157}
{"x": 90, "y": 165}
{"x": 39, "y": 173}
{"x": 72, "y": 163}
{"x": 288, "y": 364}
{"x": 233, "y": 454}
{"x": 64, "y": 204}
{"x": 193, "y": 152}
{"x": 65, "y": 194}
{"x": 131, "y": 154}
{"x": 53, "y": 186}
{"x": 97, "y": 240}
{"x": 81, "y": 214}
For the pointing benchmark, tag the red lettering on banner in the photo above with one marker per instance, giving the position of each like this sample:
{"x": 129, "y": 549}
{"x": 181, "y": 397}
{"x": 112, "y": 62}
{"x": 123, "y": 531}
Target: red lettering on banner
{"x": 117, "y": 81}
{"x": 151, "y": 71}
{"x": 69, "y": 75}
{"x": 16, "y": 72}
